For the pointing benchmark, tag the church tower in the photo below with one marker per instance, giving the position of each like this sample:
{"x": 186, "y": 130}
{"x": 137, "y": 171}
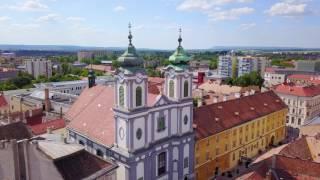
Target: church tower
{"x": 131, "y": 80}
{"x": 178, "y": 78}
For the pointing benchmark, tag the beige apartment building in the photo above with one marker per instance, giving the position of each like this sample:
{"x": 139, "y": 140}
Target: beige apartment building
{"x": 303, "y": 103}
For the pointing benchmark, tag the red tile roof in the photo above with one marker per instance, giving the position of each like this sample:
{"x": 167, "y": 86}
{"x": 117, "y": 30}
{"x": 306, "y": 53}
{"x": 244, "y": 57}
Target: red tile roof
{"x": 270, "y": 70}
{"x": 304, "y": 77}
{"x": 297, "y": 149}
{"x": 304, "y": 91}
{"x": 92, "y": 114}
{"x": 155, "y": 84}
{"x": 215, "y": 118}
{"x": 285, "y": 168}
{"x": 3, "y": 101}
{"x": 42, "y": 128}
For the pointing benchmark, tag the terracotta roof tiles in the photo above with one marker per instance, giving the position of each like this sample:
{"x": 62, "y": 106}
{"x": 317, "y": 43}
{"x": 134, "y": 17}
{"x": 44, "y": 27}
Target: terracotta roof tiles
{"x": 42, "y": 128}
{"x": 92, "y": 114}
{"x": 215, "y": 118}
{"x": 304, "y": 91}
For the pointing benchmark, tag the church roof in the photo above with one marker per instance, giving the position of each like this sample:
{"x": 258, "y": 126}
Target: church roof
{"x": 92, "y": 114}
{"x": 129, "y": 61}
{"x": 179, "y": 56}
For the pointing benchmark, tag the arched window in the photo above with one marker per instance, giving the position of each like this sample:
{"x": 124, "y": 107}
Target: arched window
{"x": 186, "y": 89}
{"x": 138, "y": 96}
{"x": 121, "y": 96}
{"x": 171, "y": 88}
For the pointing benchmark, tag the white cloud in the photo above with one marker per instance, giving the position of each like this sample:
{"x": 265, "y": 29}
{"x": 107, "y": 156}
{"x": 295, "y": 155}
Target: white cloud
{"x": 138, "y": 27}
{"x": 30, "y": 5}
{"x": 247, "y": 26}
{"x": 231, "y": 14}
{"x": 4, "y": 18}
{"x": 26, "y": 26}
{"x": 188, "y": 5}
{"x": 49, "y": 18}
{"x": 289, "y": 8}
{"x": 75, "y": 19}
{"x": 119, "y": 8}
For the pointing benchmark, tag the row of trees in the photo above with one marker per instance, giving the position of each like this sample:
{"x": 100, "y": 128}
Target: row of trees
{"x": 253, "y": 78}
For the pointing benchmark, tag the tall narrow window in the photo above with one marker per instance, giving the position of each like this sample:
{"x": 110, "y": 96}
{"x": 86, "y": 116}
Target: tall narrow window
{"x": 161, "y": 124}
{"x": 162, "y": 163}
{"x": 185, "y": 89}
{"x": 121, "y": 96}
{"x": 171, "y": 88}
{"x": 138, "y": 96}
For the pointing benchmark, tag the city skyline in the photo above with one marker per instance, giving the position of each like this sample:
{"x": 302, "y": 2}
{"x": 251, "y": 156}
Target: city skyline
{"x": 205, "y": 23}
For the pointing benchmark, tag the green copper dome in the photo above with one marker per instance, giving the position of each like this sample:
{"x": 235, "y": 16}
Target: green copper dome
{"x": 179, "y": 56}
{"x": 130, "y": 59}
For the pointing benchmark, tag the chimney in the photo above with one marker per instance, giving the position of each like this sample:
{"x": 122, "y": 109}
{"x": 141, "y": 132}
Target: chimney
{"x": 91, "y": 78}
{"x": 15, "y": 158}
{"x": 47, "y": 103}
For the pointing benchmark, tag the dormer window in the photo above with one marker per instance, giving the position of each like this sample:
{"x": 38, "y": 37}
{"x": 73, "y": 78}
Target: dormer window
{"x": 138, "y": 96}
{"x": 161, "y": 124}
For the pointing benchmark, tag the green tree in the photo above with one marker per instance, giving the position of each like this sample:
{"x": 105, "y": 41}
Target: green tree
{"x": 65, "y": 68}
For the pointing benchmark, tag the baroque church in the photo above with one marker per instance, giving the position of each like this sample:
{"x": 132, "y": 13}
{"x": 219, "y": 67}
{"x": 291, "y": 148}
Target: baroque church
{"x": 148, "y": 134}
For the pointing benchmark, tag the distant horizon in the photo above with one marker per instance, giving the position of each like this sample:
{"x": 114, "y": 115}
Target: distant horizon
{"x": 155, "y": 24}
{"x": 81, "y": 47}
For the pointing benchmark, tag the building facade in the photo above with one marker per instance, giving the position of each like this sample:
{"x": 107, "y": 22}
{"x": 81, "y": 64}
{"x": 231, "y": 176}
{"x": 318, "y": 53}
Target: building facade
{"x": 303, "y": 103}
{"x": 149, "y": 136}
{"x": 235, "y": 131}
{"x": 225, "y": 66}
{"x": 310, "y": 66}
{"x": 245, "y": 65}
{"x": 37, "y": 67}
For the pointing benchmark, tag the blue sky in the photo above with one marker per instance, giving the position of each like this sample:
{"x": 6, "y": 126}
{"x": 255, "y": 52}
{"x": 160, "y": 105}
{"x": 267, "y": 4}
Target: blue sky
{"x": 205, "y": 23}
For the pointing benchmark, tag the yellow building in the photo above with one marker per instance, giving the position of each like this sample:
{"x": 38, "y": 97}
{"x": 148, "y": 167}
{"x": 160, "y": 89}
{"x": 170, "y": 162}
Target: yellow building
{"x": 234, "y": 131}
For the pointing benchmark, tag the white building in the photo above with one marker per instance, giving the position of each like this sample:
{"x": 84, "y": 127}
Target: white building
{"x": 37, "y": 67}
{"x": 73, "y": 87}
{"x": 225, "y": 66}
{"x": 303, "y": 103}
